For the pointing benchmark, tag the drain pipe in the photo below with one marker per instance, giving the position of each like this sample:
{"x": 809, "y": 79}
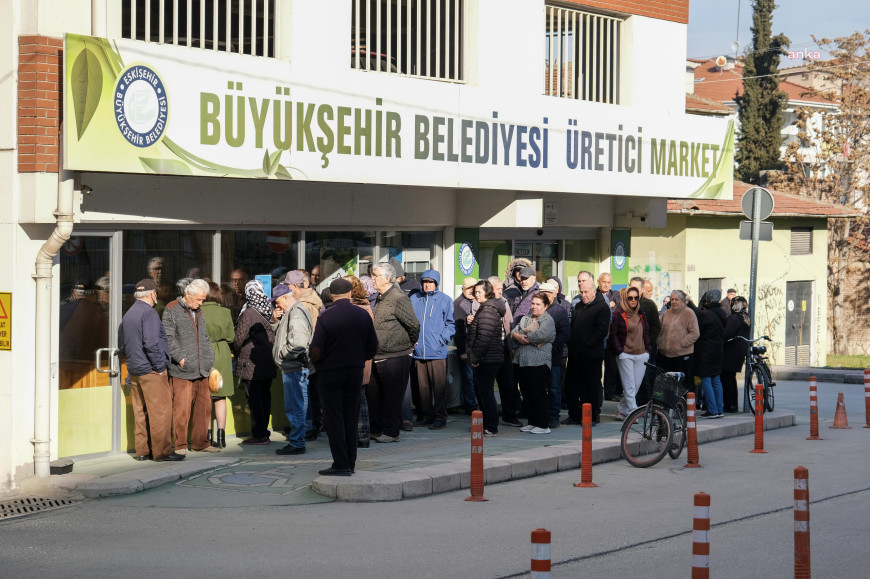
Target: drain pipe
{"x": 44, "y": 261}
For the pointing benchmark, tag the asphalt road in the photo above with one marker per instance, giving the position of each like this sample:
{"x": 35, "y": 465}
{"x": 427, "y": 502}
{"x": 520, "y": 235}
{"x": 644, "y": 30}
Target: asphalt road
{"x": 635, "y": 522}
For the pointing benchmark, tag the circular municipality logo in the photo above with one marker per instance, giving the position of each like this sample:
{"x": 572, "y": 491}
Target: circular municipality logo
{"x": 141, "y": 107}
{"x": 619, "y": 255}
{"x": 466, "y": 259}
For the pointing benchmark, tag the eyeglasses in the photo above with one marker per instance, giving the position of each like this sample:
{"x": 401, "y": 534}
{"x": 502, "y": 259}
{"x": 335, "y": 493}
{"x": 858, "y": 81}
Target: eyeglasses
{"x": 632, "y": 298}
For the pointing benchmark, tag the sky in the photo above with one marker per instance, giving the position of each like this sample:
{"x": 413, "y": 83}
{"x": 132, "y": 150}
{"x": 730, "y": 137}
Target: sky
{"x": 713, "y": 24}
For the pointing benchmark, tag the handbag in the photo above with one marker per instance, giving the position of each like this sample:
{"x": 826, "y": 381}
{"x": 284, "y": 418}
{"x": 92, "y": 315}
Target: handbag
{"x": 215, "y": 381}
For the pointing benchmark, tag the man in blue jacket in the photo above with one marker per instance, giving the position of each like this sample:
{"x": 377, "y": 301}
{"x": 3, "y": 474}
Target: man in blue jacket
{"x": 434, "y": 310}
{"x": 142, "y": 339}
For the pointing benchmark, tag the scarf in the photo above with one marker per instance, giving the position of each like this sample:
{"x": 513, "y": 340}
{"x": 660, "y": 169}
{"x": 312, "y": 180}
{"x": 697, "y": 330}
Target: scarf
{"x": 623, "y": 303}
{"x": 256, "y": 298}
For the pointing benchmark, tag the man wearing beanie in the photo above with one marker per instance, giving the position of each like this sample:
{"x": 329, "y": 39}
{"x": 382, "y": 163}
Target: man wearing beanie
{"x": 343, "y": 340}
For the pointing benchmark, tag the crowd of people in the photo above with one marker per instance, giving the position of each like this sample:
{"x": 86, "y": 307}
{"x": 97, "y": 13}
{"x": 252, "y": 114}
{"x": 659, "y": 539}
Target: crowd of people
{"x": 367, "y": 358}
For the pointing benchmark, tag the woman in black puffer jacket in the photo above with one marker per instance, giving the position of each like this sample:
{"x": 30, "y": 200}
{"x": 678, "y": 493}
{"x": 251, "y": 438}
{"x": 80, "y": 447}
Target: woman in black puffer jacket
{"x": 485, "y": 351}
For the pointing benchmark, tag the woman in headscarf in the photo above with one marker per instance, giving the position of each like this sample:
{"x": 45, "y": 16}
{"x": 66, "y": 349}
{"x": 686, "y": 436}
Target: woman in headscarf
{"x": 255, "y": 366}
{"x": 359, "y": 297}
{"x": 629, "y": 339}
{"x": 219, "y": 325}
{"x": 534, "y": 335}
{"x": 678, "y": 337}
{"x": 736, "y": 325}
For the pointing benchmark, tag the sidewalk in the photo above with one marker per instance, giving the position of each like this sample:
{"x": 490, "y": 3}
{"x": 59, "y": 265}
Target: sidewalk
{"x": 837, "y": 375}
{"x": 425, "y": 462}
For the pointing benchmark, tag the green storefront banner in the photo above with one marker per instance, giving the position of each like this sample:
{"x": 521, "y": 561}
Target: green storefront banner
{"x": 466, "y": 256}
{"x": 620, "y": 252}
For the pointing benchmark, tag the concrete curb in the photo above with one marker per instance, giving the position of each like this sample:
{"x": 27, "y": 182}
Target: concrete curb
{"x": 126, "y": 483}
{"x": 456, "y": 475}
{"x": 834, "y": 375}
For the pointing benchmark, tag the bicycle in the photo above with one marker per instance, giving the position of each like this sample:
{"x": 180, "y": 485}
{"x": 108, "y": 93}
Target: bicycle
{"x": 659, "y": 427}
{"x": 757, "y": 372}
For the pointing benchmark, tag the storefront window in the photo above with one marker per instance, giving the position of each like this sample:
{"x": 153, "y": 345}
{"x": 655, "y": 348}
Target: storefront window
{"x": 332, "y": 254}
{"x": 247, "y": 254}
{"x": 494, "y": 258}
{"x": 166, "y": 256}
{"x": 415, "y": 250}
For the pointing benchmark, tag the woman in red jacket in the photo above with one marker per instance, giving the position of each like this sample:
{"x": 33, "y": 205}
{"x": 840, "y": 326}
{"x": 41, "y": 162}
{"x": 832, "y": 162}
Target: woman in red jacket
{"x": 629, "y": 338}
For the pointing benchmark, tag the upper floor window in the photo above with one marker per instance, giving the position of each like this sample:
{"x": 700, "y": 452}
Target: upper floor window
{"x": 241, "y": 26}
{"x": 421, "y": 38}
{"x": 581, "y": 55}
{"x": 801, "y": 240}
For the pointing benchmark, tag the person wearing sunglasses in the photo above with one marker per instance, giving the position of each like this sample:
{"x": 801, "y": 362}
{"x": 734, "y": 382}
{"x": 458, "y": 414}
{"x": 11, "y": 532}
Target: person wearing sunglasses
{"x": 629, "y": 340}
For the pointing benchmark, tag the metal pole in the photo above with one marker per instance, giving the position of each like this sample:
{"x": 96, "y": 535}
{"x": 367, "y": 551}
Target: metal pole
{"x": 753, "y": 280}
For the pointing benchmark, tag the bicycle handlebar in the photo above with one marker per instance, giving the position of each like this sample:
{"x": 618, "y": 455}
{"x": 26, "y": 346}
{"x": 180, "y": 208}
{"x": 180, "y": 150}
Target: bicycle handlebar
{"x": 751, "y": 341}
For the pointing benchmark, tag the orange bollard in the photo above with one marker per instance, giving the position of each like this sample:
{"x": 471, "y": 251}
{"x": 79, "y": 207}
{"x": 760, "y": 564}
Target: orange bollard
{"x": 692, "y": 432}
{"x": 801, "y": 523}
{"x": 701, "y": 537}
{"x": 476, "y": 457}
{"x": 814, "y": 411}
{"x": 586, "y": 449}
{"x": 759, "y": 420}
{"x": 867, "y": 396}
{"x": 840, "y": 420}
{"x": 540, "y": 554}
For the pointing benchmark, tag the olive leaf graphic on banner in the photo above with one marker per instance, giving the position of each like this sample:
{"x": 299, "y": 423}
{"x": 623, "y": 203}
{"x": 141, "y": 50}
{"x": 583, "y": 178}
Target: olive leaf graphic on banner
{"x": 87, "y": 86}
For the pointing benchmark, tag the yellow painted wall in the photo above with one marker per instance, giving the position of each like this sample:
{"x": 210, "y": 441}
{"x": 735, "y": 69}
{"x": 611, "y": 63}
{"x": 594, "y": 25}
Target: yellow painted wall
{"x": 696, "y": 247}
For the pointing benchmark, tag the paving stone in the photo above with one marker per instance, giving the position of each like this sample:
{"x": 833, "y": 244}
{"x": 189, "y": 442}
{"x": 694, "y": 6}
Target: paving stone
{"x": 445, "y": 477}
{"x": 416, "y": 485}
{"x": 496, "y": 470}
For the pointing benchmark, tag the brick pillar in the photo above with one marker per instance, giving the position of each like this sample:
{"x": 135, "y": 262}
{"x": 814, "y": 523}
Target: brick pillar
{"x": 40, "y": 74}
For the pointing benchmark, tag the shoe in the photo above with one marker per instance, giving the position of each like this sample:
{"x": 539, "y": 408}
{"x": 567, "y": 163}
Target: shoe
{"x": 570, "y": 421}
{"x": 594, "y": 423}
{"x": 181, "y": 451}
{"x": 222, "y": 438}
{"x": 335, "y": 472}
{"x": 211, "y": 441}
{"x": 424, "y": 422}
{"x": 174, "y": 457}
{"x": 311, "y": 435}
{"x": 437, "y": 425}
{"x": 488, "y": 433}
{"x": 257, "y": 441}
{"x": 143, "y": 458}
{"x": 407, "y": 426}
{"x": 206, "y": 449}
{"x": 513, "y": 422}
{"x": 553, "y": 424}
{"x": 362, "y": 443}
{"x": 374, "y": 435}
{"x": 527, "y": 428}
{"x": 620, "y": 416}
{"x": 720, "y": 415}
{"x": 285, "y": 450}
{"x": 612, "y": 398}
{"x": 709, "y": 415}
{"x": 537, "y": 430}
{"x": 385, "y": 438}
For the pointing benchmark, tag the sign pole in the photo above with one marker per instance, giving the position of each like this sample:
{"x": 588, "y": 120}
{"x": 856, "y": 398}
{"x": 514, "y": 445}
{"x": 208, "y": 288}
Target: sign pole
{"x": 753, "y": 280}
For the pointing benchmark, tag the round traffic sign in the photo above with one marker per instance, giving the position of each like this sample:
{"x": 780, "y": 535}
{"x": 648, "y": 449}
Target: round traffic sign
{"x": 765, "y": 205}
{"x": 278, "y": 241}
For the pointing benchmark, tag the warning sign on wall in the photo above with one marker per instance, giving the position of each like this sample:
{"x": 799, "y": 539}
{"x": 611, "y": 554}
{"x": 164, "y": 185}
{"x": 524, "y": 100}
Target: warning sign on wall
{"x": 6, "y": 321}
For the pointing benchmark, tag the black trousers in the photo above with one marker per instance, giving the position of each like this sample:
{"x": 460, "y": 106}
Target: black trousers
{"x": 385, "y": 393}
{"x": 259, "y": 394}
{"x": 583, "y": 385}
{"x": 535, "y": 384}
{"x": 484, "y": 386}
{"x": 612, "y": 381}
{"x": 340, "y": 395}
{"x": 507, "y": 388}
{"x": 729, "y": 392}
{"x": 314, "y": 410}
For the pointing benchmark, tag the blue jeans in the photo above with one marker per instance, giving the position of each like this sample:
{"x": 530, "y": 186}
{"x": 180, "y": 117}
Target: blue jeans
{"x": 555, "y": 391}
{"x": 469, "y": 398}
{"x": 712, "y": 388}
{"x": 296, "y": 405}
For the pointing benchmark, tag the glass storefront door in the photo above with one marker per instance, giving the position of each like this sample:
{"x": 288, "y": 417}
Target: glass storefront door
{"x": 89, "y": 369}
{"x": 544, "y": 256}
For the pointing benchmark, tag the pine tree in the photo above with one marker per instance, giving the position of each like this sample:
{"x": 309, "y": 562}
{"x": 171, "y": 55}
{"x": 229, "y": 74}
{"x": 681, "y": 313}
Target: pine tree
{"x": 761, "y": 105}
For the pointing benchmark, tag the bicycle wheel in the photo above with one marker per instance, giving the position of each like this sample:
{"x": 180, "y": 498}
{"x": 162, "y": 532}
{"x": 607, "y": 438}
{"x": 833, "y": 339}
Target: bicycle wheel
{"x": 754, "y": 379}
{"x": 646, "y": 436}
{"x": 768, "y": 390}
{"x": 679, "y": 420}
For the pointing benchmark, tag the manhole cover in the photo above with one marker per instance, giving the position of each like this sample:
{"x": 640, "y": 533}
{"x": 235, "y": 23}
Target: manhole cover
{"x": 29, "y": 505}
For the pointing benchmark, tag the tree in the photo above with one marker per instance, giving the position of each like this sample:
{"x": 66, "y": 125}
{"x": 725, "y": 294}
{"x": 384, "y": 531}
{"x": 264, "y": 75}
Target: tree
{"x": 830, "y": 162}
{"x": 761, "y": 104}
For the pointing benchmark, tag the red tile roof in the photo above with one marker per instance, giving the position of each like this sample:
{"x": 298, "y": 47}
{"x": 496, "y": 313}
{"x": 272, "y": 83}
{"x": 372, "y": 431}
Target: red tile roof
{"x": 721, "y": 85}
{"x": 784, "y": 205}
{"x": 706, "y": 106}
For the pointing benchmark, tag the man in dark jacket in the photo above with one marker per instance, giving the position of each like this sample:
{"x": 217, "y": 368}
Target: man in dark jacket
{"x": 589, "y": 327}
{"x": 520, "y": 298}
{"x": 650, "y": 311}
{"x": 192, "y": 360}
{"x": 142, "y": 339}
{"x": 434, "y": 310}
{"x": 612, "y": 381}
{"x": 464, "y": 306}
{"x": 563, "y": 332}
{"x": 343, "y": 340}
{"x": 398, "y": 330}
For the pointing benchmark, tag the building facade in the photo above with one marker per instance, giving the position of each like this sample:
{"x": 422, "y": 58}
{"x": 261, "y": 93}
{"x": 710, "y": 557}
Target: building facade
{"x": 229, "y": 139}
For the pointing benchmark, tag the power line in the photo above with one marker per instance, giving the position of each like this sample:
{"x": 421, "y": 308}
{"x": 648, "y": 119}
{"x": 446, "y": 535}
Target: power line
{"x": 741, "y": 78}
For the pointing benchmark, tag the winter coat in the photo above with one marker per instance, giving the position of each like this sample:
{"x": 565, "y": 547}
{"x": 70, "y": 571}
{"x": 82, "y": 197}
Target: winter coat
{"x": 485, "y": 334}
{"x": 142, "y": 339}
{"x": 293, "y": 334}
{"x": 462, "y": 308}
{"x": 434, "y": 311}
{"x": 619, "y": 331}
{"x": 589, "y": 326}
{"x": 253, "y": 342}
{"x": 520, "y": 301}
{"x": 735, "y": 348}
{"x": 679, "y": 333}
{"x": 710, "y": 347}
{"x": 651, "y": 312}
{"x": 539, "y": 351}
{"x": 563, "y": 332}
{"x": 188, "y": 341}
{"x": 219, "y": 324}
{"x": 395, "y": 323}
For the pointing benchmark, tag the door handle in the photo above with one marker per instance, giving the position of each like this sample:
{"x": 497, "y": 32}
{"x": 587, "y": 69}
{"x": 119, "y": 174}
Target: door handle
{"x": 113, "y": 369}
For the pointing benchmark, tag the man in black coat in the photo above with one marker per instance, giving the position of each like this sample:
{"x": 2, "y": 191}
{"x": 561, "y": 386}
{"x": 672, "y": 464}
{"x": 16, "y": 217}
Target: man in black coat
{"x": 590, "y": 323}
{"x": 344, "y": 339}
